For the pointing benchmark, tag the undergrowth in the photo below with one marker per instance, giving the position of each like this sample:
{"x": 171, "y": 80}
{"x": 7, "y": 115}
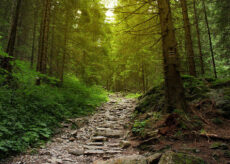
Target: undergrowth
{"x": 29, "y": 114}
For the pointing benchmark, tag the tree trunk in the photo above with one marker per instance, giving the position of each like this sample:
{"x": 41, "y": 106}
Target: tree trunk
{"x": 198, "y": 37}
{"x": 43, "y": 43}
{"x": 34, "y": 35}
{"x": 174, "y": 91}
{"x": 210, "y": 38}
{"x": 188, "y": 39}
{"x": 65, "y": 47}
{"x": 52, "y": 48}
{"x": 5, "y": 61}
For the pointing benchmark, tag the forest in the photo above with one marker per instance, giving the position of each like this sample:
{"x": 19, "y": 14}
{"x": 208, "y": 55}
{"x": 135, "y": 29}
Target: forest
{"x": 114, "y": 81}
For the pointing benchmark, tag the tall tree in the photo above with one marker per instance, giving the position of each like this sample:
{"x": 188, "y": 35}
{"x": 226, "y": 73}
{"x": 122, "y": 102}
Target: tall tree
{"x": 173, "y": 83}
{"x": 198, "y": 37}
{"x": 210, "y": 38}
{"x": 188, "y": 39}
{"x": 36, "y": 10}
{"x": 43, "y": 43}
{"x": 5, "y": 61}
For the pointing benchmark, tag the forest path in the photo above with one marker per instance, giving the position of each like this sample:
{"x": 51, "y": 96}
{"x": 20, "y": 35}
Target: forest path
{"x": 102, "y": 136}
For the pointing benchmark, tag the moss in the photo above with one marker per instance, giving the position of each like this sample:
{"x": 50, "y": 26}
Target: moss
{"x": 220, "y": 83}
{"x": 217, "y": 121}
{"x": 180, "y": 158}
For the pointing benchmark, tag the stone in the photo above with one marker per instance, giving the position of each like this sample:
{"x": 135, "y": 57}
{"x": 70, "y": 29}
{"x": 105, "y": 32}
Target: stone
{"x": 179, "y": 158}
{"x": 54, "y": 160}
{"x": 95, "y": 147}
{"x": 219, "y": 145}
{"x": 76, "y": 152}
{"x": 72, "y": 139}
{"x": 154, "y": 158}
{"x": 110, "y": 133}
{"x": 95, "y": 143}
{"x": 134, "y": 159}
{"x": 125, "y": 144}
{"x": 91, "y": 152}
{"x": 113, "y": 151}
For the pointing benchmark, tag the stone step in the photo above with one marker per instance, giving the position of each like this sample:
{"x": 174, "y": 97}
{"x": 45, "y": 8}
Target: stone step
{"x": 98, "y": 139}
{"x": 95, "y": 143}
{"x": 113, "y": 151}
{"x": 113, "y": 144}
{"x": 110, "y": 133}
{"x": 92, "y": 152}
{"x": 95, "y": 147}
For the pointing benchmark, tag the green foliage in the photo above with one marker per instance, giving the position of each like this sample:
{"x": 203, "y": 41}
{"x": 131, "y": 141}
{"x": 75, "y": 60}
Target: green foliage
{"x": 220, "y": 83}
{"x": 133, "y": 95}
{"x": 30, "y": 114}
{"x": 195, "y": 88}
{"x": 139, "y": 127}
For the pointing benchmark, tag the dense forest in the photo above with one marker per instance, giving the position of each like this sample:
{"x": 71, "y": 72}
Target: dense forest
{"x": 67, "y": 59}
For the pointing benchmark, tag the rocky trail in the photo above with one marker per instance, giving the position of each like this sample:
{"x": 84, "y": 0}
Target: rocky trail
{"x": 90, "y": 140}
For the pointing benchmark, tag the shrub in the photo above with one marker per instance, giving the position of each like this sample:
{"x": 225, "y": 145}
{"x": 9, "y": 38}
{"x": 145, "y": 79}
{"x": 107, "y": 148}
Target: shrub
{"x": 29, "y": 114}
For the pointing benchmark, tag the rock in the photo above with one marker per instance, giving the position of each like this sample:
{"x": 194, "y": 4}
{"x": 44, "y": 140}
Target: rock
{"x": 179, "y": 158}
{"x": 154, "y": 158}
{"x": 54, "y": 160}
{"x": 95, "y": 143}
{"x": 98, "y": 138}
{"x": 113, "y": 151}
{"x": 76, "y": 152}
{"x": 125, "y": 144}
{"x": 59, "y": 140}
{"x": 110, "y": 133}
{"x": 95, "y": 147}
{"x": 72, "y": 139}
{"x": 219, "y": 145}
{"x": 91, "y": 152}
{"x": 134, "y": 159}
{"x": 79, "y": 122}
{"x": 113, "y": 144}
{"x": 74, "y": 133}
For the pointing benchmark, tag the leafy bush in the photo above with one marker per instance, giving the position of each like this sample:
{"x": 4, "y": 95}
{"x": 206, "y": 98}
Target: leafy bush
{"x": 29, "y": 114}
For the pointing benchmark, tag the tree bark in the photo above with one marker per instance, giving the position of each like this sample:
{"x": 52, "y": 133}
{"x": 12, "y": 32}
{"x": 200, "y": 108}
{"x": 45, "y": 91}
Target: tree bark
{"x": 5, "y": 61}
{"x": 34, "y": 35}
{"x": 65, "y": 46}
{"x": 198, "y": 37}
{"x": 210, "y": 38}
{"x": 174, "y": 91}
{"x": 188, "y": 39}
{"x": 43, "y": 43}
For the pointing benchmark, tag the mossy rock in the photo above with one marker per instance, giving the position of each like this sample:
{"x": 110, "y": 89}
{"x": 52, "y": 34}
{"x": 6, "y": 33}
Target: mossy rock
{"x": 219, "y": 145}
{"x": 180, "y": 158}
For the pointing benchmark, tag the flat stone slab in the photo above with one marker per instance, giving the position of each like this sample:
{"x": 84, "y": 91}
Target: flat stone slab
{"x": 95, "y": 147}
{"x": 91, "y": 152}
{"x": 113, "y": 151}
{"x": 111, "y": 133}
{"x": 95, "y": 143}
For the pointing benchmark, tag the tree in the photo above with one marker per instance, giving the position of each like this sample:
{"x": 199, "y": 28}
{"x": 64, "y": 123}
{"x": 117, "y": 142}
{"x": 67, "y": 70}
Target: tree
{"x": 174, "y": 91}
{"x": 210, "y": 38}
{"x": 188, "y": 39}
{"x": 5, "y": 61}
{"x": 43, "y": 43}
{"x": 198, "y": 38}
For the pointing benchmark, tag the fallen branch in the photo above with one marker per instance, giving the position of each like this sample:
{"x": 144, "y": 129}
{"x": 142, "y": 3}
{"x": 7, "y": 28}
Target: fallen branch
{"x": 214, "y": 136}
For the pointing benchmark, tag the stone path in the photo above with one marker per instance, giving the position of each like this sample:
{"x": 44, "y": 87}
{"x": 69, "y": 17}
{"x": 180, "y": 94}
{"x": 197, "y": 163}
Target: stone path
{"x": 100, "y": 137}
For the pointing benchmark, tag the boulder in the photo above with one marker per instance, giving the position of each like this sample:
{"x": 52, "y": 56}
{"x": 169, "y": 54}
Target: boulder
{"x": 134, "y": 159}
{"x": 179, "y": 158}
